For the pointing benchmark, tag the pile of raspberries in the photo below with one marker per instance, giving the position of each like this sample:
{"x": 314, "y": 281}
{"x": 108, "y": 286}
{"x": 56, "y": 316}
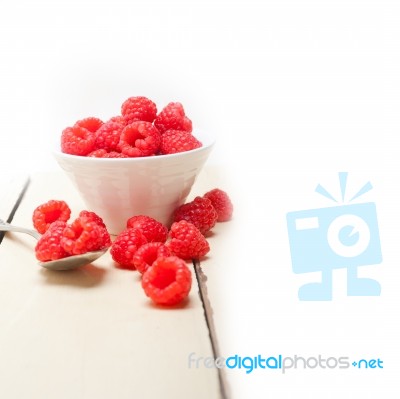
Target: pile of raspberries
{"x": 140, "y": 131}
{"x": 146, "y": 245}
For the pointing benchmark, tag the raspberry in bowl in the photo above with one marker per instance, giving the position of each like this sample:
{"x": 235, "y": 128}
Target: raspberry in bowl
{"x": 125, "y": 167}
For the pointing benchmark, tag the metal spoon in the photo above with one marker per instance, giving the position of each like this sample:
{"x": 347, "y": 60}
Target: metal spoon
{"x": 68, "y": 263}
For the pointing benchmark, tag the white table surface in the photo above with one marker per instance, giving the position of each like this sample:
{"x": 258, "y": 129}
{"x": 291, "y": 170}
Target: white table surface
{"x": 90, "y": 332}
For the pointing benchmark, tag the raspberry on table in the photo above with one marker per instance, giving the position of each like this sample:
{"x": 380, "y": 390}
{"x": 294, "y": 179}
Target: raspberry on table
{"x": 187, "y": 242}
{"x": 151, "y": 228}
{"x": 146, "y": 255}
{"x": 174, "y": 141}
{"x": 77, "y": 141}
{"x": 51, "y": 211}
{"x": 84, "y": 235}
{"x": 138, "y": 109}
{"x": 91, "y": 123}
{"x": 172, "y": 116}
{"x": 200, "y": 212}
{"x": 49, "y": 245}
{"x": 168, "y": 281}
{"x": 221, "y": 203}
{"x": 108, "y": 135}
{"x": 125, "y": 246}
{"x": 139, "y": 139}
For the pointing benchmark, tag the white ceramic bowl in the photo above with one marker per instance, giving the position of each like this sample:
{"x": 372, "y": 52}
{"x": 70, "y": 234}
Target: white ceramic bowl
{"x": 119, "y": 188}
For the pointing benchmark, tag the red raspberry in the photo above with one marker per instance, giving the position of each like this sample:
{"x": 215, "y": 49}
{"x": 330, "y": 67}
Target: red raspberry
{"x": 167, "y": 281}
{"x": 173, "y": 141}
{"x": 97, "y": 153}
{"x": 152, "y": 229}
{"x": 114, "y": 154}
{"x": 125, "y": 245}
{"x": 138, "y": 109}
{"x": 84, "y": 235}
{"x": 146, "y": 255}
{"x": 92, "y": 217}
{"x": 77, "y": 141}
{"x": 200, "y": 212}
{"x": 173, "y": 117}
{"x": 46, "y": 214}
{"x": 187, "y": 242}
{"x": 107, "y": 137}
{"x": 221, "y": 203}
{"x": 140, "y": 139}
{"x": 49, "y": 247}
{"x": 102, "y": 153}
{"x": 118, "y": 119}
{"x": 92, "y": 124}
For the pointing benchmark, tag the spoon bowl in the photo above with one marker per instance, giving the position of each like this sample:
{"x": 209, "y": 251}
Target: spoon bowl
{"x": 68, "y": 263}
{"x": 73, "y": 262}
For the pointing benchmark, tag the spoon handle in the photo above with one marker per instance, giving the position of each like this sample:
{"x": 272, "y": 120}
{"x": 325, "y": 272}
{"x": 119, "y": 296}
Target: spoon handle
{"x": 8, "y": 227}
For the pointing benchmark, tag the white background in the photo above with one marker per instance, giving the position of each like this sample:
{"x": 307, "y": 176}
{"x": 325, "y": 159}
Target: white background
{"x": 295, "y": 91}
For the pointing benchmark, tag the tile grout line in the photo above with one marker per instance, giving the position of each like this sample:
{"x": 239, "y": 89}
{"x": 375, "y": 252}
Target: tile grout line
{"x": 208, "y": 314}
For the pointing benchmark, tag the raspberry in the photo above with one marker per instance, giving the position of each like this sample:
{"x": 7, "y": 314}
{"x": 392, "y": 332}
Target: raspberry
{"x": 114, "y": 154}
{"x": 125, "y": 245}
{"x": 77, "y": 141}
{"x": 167, "y": 281}
{"x": 187, "y": 242}
{"x": 48, "y": 247}
{"x": 97, "y": 153}
{"x": 200, "y": 212}
{"x": 173, "y": 141}
{"x": 138, "y": 109}
{"x": 46, "y": 214}
{"x": 92, "y": 124}
{"x": 146, "y": 255}
{"x": 107, "y": 137}
{"x": 84, "y": 235}
{"x": 92, "y": 217}
{"x": 221, "y": 203}
{"x": 140, "y": 139}
{"x": 118, "y": 119}
{"x": 102, "y": 153}
{"x": 152, "y": 229}
{"x": 173, "y": 116}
